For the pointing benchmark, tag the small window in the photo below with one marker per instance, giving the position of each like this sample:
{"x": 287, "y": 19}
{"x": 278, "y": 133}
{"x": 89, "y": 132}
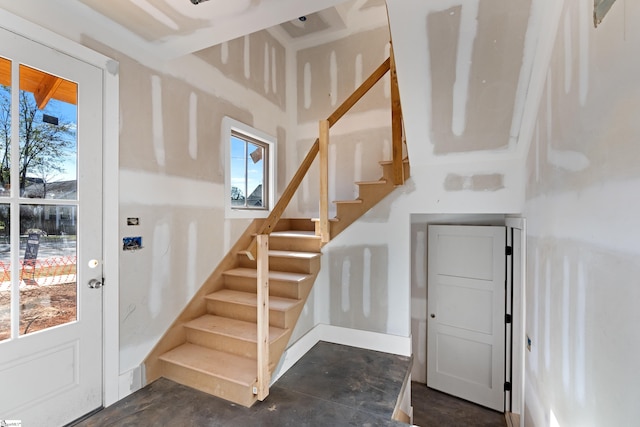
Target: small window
{"x": 250, "y": 170}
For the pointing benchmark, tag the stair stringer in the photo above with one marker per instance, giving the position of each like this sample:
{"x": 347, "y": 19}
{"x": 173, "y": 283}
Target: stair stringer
{"x": 369, "y": 194}
{"x": 176, "y": 334}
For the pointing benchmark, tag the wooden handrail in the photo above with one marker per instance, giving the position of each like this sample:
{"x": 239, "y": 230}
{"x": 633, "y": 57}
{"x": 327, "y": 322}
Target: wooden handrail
{"x": 292, "y": 187}
{"x": 360, "y": 92}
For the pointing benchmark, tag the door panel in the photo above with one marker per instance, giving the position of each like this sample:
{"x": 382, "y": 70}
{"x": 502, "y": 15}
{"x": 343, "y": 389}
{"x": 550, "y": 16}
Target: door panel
{"x": 466, "y": 307}
{"x": 50, "y": 231}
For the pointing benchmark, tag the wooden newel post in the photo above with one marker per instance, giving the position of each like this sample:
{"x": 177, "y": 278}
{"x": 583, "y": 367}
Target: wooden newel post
{"x": 324, "y": 181}
{"x": 263, "y": 316}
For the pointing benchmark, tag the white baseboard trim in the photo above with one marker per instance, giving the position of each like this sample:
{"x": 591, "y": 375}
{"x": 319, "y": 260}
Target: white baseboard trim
{"x": 129, "y": 381}
{"x": 335, "y": 334}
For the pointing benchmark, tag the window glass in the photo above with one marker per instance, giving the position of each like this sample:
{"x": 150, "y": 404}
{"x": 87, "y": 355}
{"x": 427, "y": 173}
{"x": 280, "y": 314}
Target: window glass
{"x": 5, "y": 127}
{"x": 48, "y": 148}
{"x": 248, "y": 173}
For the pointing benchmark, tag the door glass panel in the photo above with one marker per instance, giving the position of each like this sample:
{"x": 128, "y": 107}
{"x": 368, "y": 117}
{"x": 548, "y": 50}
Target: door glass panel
{"x": 5, "y": 126}
{"x": 5, "y": 273}
{"x": 48, "y": 290}
{"x": 48, "y": 144}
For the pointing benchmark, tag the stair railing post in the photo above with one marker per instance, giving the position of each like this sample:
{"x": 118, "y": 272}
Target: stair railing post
{"x": 324, "y": 181}
{"x": 396, "y": 126}
{"x": 262, "y": 267}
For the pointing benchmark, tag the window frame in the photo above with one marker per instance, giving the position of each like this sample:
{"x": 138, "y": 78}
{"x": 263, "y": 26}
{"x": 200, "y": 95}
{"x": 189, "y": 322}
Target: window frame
{"x": 232, "y": 127}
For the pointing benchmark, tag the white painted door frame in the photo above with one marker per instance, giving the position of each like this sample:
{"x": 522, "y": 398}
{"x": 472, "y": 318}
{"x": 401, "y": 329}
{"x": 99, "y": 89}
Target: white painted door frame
{"x": 518, "y": 325}
{"x": 111, "y": 253}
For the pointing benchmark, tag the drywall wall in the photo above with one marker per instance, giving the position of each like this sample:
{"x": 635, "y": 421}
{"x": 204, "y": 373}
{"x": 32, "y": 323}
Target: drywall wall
{"x": 255, "y": 60}
{"x": 582, "y": 210}
{"x": 172, "y": 177}
{"x": 475, "y": 83}
{"x": 366, "y": 279}
{"x": 462, "y": 90}
{"x": 330, "y": 72}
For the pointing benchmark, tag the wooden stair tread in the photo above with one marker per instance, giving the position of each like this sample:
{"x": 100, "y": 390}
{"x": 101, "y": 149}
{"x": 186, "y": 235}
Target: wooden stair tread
{"x": 230, "y": 367}
{"x": 291, "y": 254}
{"x": 354, "y": 201}
{"x": 330, "y": 219}
{"x": 250, "y": 299}
{"x": 389, "y": 162}
{"x": 273, "y": 275}
{"x": 295, "y": 234}
{"x": 295, "y": 254}
{"x": 239, "y": 329}
{"x": 377, "y": 182}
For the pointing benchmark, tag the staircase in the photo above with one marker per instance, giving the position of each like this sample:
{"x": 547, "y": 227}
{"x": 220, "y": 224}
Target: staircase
{"x": 220, "y": 353}
{"x": 214, "y": 346}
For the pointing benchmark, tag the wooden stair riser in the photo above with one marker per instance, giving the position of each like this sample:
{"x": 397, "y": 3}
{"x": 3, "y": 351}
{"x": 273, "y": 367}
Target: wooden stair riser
{"x": 281, "y": 263}
{"x": 278, "y": 288}
{"x": 349, "y": 212}
{"x": 286, "y": 224}
{"x": 237, "y": 346}
{"x": 214, "y": 385}
{"x": 248, "y": 313}
{"x": 297, "y": 244}
{"x": 222, "y": 374}
{"x": 387, "y": 170}
{"x": 369, "y": 191}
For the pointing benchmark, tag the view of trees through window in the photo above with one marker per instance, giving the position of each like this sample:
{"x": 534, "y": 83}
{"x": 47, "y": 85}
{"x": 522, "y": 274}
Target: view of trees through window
{"x": 44, "y": 169}
{"x": 248, "y": 172}
{"x": 46, "y": 140}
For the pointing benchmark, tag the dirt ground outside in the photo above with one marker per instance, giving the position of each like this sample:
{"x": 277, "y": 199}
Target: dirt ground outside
{"x": 41, "y": 307}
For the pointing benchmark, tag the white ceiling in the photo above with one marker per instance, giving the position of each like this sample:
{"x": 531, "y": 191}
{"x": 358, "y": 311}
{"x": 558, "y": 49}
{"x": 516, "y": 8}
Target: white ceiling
{"x": 171, "y": 28}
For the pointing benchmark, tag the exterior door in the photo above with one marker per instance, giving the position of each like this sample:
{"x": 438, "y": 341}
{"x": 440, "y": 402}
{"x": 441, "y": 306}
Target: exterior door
{"x": 466, "y": 313}
{"x": 50, "y": 234}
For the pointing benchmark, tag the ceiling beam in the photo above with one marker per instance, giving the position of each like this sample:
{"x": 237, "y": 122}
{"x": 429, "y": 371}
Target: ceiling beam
{"x": 45, "y": 90}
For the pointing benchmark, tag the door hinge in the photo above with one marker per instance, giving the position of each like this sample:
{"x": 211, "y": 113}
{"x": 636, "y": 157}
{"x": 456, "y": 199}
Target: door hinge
{"x": 507, "y": 318}
{"x": 508, "y": 250}
{"x": 507, "y": 386}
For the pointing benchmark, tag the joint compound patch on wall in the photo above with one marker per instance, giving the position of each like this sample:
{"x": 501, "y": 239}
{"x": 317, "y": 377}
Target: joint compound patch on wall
{"x": 475, "y": 54}
{"x": 480, "y": 182}
{"x": 358, "y": 286}
{"x": 256, "y": 61}
{"x": 330, "y": 72}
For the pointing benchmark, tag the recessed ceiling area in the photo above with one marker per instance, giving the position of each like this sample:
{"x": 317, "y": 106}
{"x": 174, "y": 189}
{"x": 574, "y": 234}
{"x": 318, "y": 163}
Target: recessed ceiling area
{"x": 328, "y": 19}
{"x": 166, "y": 29}
{"x": 178, "y": 27}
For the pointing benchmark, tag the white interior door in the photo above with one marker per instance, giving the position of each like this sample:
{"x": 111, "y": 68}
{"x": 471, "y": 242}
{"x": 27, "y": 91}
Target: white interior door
{"x": 50, "y": 234}
{"x": 466, "y": 313}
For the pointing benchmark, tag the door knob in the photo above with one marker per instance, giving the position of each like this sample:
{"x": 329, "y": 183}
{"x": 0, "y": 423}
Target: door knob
{"x": 433, "y": 316}
{"x": 94, "y": 284}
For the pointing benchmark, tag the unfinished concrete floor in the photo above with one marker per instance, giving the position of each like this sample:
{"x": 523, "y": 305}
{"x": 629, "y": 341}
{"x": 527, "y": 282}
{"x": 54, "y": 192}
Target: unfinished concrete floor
{"x": 432, "y": 408}
{"x": 332, "y": 385}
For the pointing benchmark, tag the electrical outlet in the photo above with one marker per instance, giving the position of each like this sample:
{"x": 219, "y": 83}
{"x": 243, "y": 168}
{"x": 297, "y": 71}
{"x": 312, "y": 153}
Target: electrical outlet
{"x": 528, "y": 343}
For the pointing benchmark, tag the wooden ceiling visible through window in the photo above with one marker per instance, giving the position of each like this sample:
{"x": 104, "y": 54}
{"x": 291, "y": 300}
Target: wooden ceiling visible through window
{"x": 44, "y": 86}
